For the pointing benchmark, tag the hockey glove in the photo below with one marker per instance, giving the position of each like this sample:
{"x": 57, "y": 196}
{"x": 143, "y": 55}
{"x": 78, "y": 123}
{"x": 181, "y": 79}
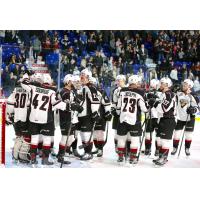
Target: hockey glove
{"x": 10, "y": 119}
{"x": 76, "y": 107}
{"x": 191, "y": 110}
{"x": 114, "y": 112}
{"x": 107, "y": 116}
{"x": 95, "y": 117}
{"x": 151, "y": 102}
{"x": 151, "y": 95}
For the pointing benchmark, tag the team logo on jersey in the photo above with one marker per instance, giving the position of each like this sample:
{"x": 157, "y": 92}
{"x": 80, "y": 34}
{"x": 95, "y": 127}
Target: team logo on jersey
{"x": 183, "y": 102}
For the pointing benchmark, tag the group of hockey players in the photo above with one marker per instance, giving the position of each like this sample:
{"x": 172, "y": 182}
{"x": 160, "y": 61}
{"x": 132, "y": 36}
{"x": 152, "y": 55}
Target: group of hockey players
{"x": 85, "y": 109}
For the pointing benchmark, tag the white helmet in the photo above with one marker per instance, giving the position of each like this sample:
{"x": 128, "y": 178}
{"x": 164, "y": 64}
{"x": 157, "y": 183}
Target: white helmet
{"x": 189, "y": 82}
{"x": 121, "y": 77}
{"x": 76, "y": 78}
{"x": 47, "y": 79}
{"x": 86, "y": 72}
{"x": 38, "y": 77}
{"x": 67, "y": 78}
{"x": 76, "y": 73}
{"x": 154, "y": 83}
{"x": 167, "y": 81}
{"x": 93, "y": 80}
{"x": 134, "y": 79}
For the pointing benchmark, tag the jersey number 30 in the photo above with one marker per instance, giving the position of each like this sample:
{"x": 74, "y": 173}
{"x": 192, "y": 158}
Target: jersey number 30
{"x": 131, "y": 107}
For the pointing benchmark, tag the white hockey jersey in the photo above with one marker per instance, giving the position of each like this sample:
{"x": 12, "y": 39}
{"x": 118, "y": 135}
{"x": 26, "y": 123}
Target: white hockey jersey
{"x": 42, "y": 102}
{"x": 184, "y": 101}
{"x": 18, "y": 104}
{"x": 90, "y": 102}
{"x": 129, "y": 106}
{"x": 115, "y": 96}
{"x": 166, "y": 107}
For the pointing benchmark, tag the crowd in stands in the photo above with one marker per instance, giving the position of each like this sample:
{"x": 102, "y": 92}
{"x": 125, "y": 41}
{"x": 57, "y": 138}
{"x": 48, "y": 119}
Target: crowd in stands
{"x": 151, "y": 54}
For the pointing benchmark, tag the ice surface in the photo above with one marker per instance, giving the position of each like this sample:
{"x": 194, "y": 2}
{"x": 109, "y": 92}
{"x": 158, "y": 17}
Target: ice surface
{"x": 109, "y": 159}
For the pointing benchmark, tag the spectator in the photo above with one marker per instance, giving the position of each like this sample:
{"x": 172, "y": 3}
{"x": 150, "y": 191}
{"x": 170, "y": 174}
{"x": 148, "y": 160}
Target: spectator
{"x": 143, "y": 54}
{"x": 141, "y": 74}
{"x": 184, "y": 72}
{"x": 190, "y": 75}
{"x": 98, "y": 62}
{"x": 196, "y": 84}
{"x": 36, "y": 44}
{"x": 174, "y": 75}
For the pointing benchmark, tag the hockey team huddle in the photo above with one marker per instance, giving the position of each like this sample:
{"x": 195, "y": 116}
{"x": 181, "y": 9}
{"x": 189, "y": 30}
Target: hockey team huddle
{"x": 85, "y": 109}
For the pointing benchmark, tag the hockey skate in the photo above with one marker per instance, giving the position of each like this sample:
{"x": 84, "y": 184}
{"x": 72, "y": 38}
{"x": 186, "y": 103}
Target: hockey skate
{"x": 162, "y": 161}
{"x": 53, "y": 153}
{"x": 33, "y": 160}
{"x": 174, "y": 151}
{"x": 120, "y": 159}
{"x": 76, "y": 153}
{"x": 45, "y": 161}
{"x": 61, "y": 159}
{"x": 155, "y": 160}
{"x": 133, "y": 161}
{"x": 87, "y": 156}
{"x": 187, "y": 151}
{"x": 100, "y": 153}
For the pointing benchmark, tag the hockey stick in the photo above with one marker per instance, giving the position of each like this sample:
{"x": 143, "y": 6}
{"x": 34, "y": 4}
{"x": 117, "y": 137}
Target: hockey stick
{"x": 183, "y": 136}
{"x": 106, "y": 139}
{"x": 145, "y": 122}
{"x": 68, "y": 134}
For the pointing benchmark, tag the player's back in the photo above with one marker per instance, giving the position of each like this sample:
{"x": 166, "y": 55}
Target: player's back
{"x": 40, "y": 104}
{"x": 130, "y": 103}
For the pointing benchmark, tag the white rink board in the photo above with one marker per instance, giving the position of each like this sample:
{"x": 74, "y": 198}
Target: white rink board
{"x": 109, "y": 159}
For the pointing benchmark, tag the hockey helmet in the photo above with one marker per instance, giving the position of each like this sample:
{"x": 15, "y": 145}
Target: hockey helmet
{"x": 67, "y": 78}
{"x": 134, "y": 79}
{"x": 167, "y": 81}
{"x": 189, "y": 82}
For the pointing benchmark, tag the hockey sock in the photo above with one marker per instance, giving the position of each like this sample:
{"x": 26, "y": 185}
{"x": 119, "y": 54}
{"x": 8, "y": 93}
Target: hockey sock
{"x": 115, "y": 141}
{"x": 133, "y": 153}
{"x": 128, "y": 144}
{"x": 46, "y": 151}
{"x": 100, "y": 144}
{"x": 164, "y": 152}
{"x": 40, "y": 144}
{"x": 121, "y": 151}
{"x": 52, "y": 145}
{"x": 147, "y": 144}
{"x": 175, "y": 143}
{"x": 95, "y": 143}
{"x": 188, "y": 143}
{"x": 88, "y": 148}
{"x": 74, "y": 144}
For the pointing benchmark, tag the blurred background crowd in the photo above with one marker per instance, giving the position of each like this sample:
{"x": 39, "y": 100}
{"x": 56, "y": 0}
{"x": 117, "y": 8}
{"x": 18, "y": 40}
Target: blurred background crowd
{"x": 150, "y": 54}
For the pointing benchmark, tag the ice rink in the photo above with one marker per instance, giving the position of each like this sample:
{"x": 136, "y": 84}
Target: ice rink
{"x": 109, "y": 159}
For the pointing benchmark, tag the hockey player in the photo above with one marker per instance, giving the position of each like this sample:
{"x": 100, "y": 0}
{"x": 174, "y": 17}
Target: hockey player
{"x": 66, "y": 117}
{"x": 89, "y": 116}
{"x": 187, "y": 107}
{"x": 129, "y": 107}
{"x": 77, "y": 93}
{"x": 166, "y": 107}
{"x": 120, "y": 83}
{"x": 152, "y": 124}
{"x": 17, "y": 112}
{"x": 105, "y": 115}
{"x": 42, "y": 102}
